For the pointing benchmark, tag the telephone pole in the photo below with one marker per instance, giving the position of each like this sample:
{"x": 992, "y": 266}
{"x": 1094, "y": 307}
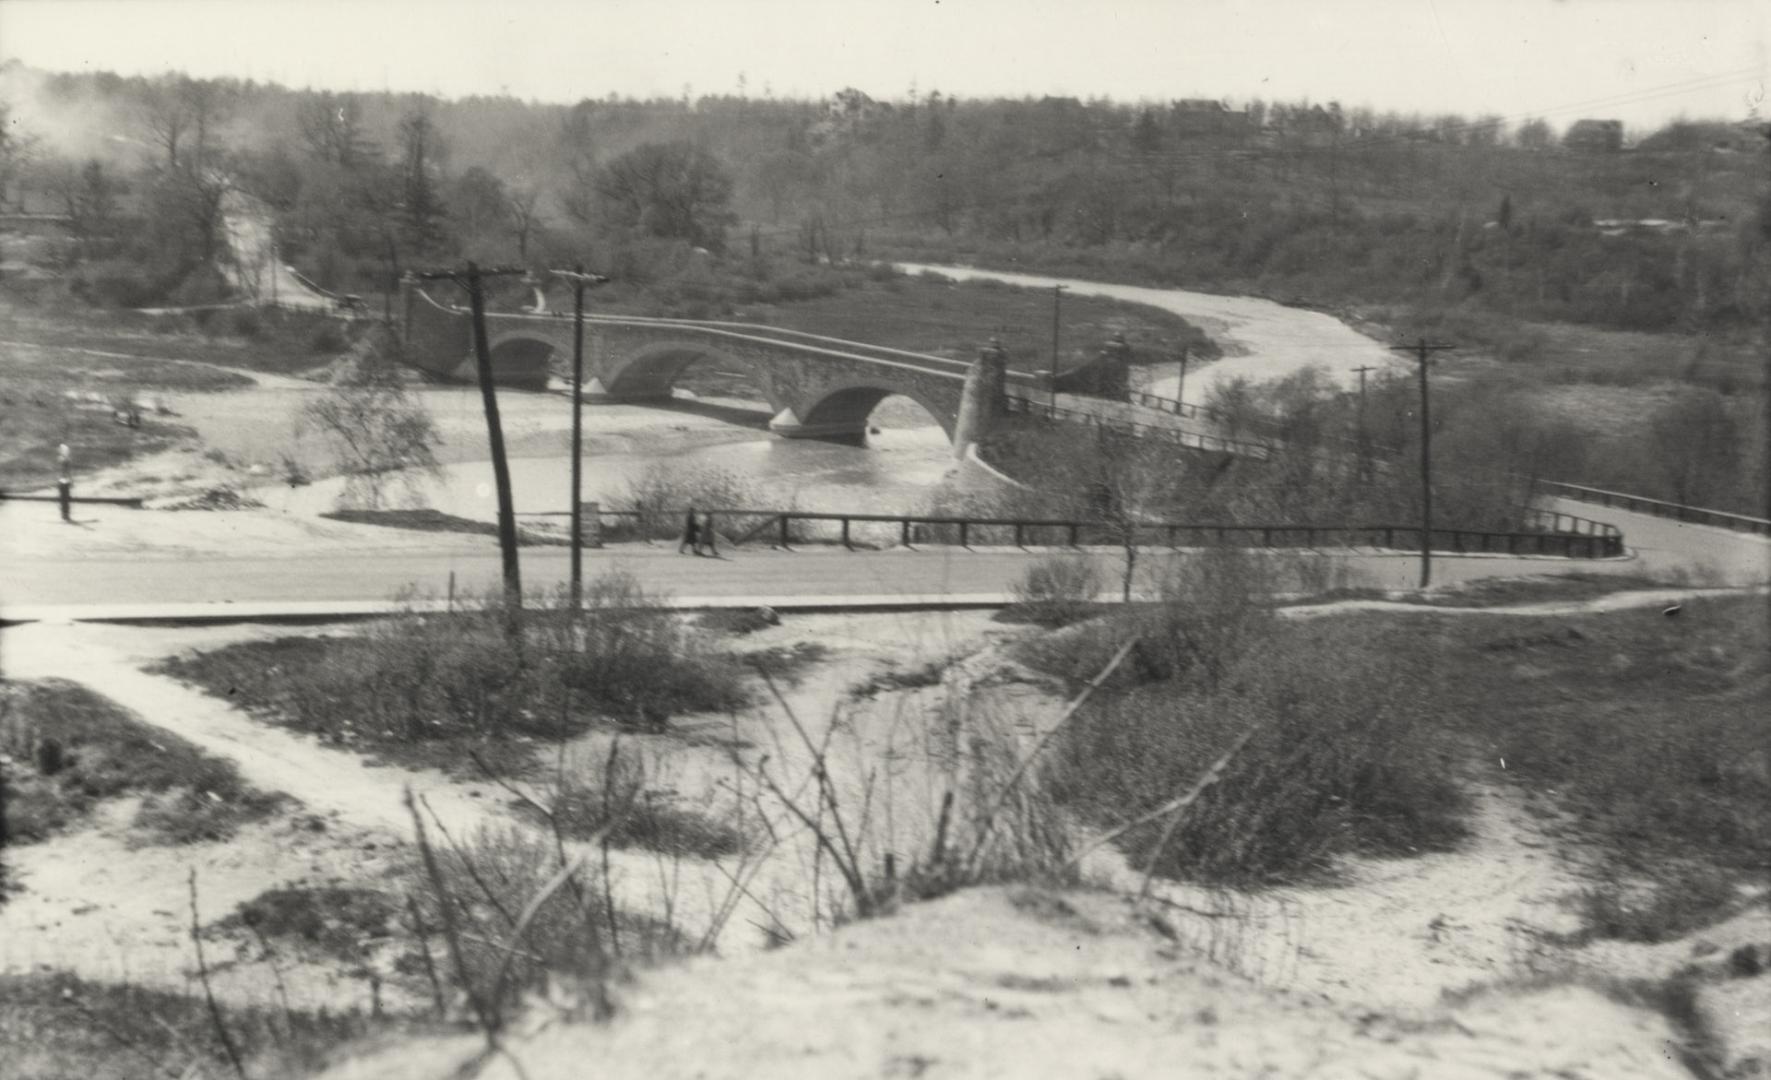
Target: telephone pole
{"x": 1422, "y": 350}
{"x": 580, "y": 281}
{"x": 1363, "y": 441}
{"x": 1057, "y": 295}
{"x": 470, "y": 278}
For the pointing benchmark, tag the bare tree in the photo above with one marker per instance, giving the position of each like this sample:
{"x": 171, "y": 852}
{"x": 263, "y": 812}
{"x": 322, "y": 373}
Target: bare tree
{"x": 526, "y": 220}
{"x": 378, "y": 431}
{"x": 164, "y": 110}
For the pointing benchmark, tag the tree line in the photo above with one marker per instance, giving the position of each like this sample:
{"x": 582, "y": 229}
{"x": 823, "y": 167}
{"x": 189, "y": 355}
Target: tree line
{"x": 1279, "y": 198}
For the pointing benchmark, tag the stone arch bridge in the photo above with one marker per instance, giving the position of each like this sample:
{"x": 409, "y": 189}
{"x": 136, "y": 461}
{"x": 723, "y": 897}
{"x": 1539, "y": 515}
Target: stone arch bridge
{"x": 817, "y": 387}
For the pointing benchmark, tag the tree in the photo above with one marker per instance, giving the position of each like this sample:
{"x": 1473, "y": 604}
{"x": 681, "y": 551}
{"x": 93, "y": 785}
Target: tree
{"x": 1146, "y": 134}
{"x": 421, "y": 152}
{"x": 164, "y": 110}
{"x": 331, "y": 128}
{"x": 89, "y": 199}
{"x": 1535, "y": 134}
{"x": 480, "y": 207}
{"x": 524, "y": 210}
{"x": 15, "y": 150}
{"x": 577, "y": 150}
{"x": 674, "y": 190}
{"x": 380, "y": 433}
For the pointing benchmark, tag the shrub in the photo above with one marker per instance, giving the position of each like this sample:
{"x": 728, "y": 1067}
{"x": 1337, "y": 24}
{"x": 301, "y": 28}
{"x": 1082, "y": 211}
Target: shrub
{"x": 659, "y": 497}
{"x": 328, "y": 339}
{"x": 575, "y": 943}
{"x": 1054, "y": 592}
{"x": 419, "y": 687}
{"x": 614, "y": 802}
{"x": 248, "y": 323}
{"x": 1669, "y": 906}
{"x": 1338, "y": 760}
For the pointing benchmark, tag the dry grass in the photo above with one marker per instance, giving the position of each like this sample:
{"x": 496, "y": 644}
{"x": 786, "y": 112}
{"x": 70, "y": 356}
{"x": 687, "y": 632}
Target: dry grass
{"x": 55, "y": 1026}
{"x": 425, "y": 689}
{"x": 74, "y": 749}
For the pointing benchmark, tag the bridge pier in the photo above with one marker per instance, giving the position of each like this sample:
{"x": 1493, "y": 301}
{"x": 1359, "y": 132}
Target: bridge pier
{"x": 595, "y": 393}
{"x": 845, "y": 429}
{"x": 981, "y": 400}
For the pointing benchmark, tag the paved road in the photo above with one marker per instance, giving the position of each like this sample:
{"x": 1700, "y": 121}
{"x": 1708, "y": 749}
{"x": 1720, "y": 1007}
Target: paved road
{"x": 34, "y": 579}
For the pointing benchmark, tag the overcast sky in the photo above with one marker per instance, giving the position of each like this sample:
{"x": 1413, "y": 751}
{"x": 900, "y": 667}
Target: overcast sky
{"x": 1639, "y": 60}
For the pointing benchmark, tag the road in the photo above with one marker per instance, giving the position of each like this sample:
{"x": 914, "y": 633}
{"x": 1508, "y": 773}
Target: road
{"x": 1262, "y": 339}
{"x": 256, "y": 270}
{"x": 1667, "y": 550}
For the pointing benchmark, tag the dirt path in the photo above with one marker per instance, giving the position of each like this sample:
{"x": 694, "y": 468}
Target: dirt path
{"x": 363, "y": 805}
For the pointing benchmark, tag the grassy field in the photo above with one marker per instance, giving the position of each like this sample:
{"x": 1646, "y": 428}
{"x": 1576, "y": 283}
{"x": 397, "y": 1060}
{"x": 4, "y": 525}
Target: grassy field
{"x": 935, "y": 315}
{"x": 80, "y": 749}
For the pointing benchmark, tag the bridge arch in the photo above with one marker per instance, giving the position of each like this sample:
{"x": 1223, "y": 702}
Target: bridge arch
{"x": 520, "y": 359}
{"x": 841, "y": 410}
{"x": 648, "y": 373}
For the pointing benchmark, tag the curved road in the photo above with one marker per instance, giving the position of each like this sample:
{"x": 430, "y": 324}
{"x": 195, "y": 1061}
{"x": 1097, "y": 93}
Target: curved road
{"x": 1262, "y": 340}
{"x": 45, "y": 585}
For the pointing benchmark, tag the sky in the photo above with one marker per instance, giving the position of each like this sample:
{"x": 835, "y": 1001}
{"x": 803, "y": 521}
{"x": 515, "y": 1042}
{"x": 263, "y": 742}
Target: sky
{"x": 1642, "y": 61}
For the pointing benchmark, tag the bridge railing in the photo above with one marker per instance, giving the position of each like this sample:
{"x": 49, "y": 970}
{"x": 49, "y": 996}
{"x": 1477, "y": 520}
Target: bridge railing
{"x": 1642, "y": 505}
{"x": 1584, "y": 539}
{"x": 1016, "y": 404}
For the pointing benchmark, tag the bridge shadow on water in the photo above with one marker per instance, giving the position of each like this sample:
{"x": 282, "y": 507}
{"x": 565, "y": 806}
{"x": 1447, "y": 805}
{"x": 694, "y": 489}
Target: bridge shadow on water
{"x": 756, "y": 416}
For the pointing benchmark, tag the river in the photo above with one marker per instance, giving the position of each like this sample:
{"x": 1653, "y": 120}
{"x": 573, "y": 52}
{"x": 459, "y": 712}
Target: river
{"x": 1262, "y": 340}
{"x": 902, "y": 468}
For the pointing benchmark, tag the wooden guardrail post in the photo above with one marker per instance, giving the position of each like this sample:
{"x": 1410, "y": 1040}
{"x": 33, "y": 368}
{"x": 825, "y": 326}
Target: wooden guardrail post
{"x": 845, "y": 535}
{"x": 783, "y": 521}
{"x": 904, "y": 533}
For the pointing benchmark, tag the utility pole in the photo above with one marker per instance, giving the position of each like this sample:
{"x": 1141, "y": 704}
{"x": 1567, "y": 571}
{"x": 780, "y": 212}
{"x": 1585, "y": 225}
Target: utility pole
{"x": 470, "y": 278}
{"x": 1364, "y": 454}
{"x": 1422, "y": 350}
{"x": 1057, "y": 295}
{"x": 580, "y": 281}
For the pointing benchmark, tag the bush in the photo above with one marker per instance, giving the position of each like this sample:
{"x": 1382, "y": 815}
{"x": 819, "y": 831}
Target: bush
{"x": 1054, "y": 592}
{"x": 613, "y": 802}
{"x": 420, "y": 687}
{"x": 1338, "y": 761}
{"x": 574, "y": 942}
{"x": 659, "y": 497}
{"x": 248, "y": 323}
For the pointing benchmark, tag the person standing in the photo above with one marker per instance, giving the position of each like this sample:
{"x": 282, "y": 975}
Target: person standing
{"x": 64, "y": 486}
{"x": 707, "y": 538}
{"x": 691, "y": 535}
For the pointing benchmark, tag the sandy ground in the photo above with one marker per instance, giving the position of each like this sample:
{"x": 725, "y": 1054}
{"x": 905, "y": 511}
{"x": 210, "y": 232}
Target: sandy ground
{"x": 986, "y": 983}
{"x": 1018, "y": 983}
{"x": 77, "y": 912}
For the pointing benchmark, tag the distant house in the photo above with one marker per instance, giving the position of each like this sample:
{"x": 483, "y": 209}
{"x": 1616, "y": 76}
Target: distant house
{"x": 1594, "y": 136}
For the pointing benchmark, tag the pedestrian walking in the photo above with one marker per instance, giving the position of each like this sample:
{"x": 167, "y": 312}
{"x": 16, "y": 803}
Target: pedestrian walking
{"x": 691, "y": 535}
{"x": 707, "y": 538}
